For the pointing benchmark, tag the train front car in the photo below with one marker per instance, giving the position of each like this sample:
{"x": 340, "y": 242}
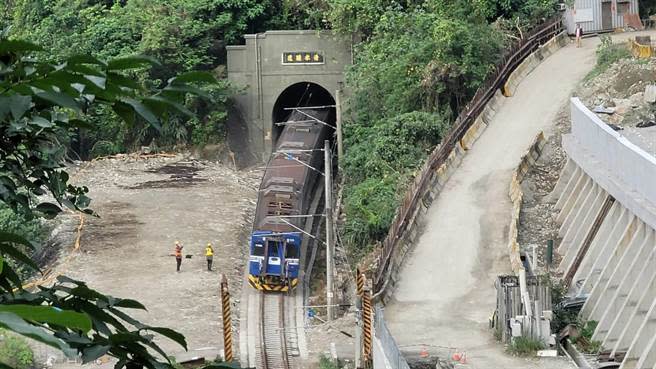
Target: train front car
{"x": 285, "y": 192}
{"x": 274, "y": 260}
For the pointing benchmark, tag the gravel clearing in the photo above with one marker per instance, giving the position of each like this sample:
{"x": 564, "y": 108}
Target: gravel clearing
{"x": 144, "y": 206}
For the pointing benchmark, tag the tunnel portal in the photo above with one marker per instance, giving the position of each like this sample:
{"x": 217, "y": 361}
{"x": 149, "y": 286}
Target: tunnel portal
{"x": 278, "y": 70}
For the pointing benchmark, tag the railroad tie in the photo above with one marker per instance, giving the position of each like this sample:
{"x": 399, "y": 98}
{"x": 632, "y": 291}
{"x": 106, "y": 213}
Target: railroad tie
{"x": 227, "y": 321}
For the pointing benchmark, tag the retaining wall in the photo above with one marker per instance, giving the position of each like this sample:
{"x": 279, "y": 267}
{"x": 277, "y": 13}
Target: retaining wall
{"x": 516, "y": 195}
{"x": 606, "y": 198}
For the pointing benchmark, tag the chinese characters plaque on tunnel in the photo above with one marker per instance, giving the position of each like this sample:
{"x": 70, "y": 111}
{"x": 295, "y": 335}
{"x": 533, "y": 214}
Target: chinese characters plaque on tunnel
{"x": 302, "y": 57}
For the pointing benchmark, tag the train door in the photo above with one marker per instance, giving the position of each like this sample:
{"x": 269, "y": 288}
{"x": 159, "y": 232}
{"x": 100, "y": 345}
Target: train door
{"x": 275, "y": 257}
{"x": 606, "y": 15}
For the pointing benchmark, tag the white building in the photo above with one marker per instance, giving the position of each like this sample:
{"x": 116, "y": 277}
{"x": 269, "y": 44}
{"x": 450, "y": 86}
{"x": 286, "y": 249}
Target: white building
{"x": 599, "y": 15}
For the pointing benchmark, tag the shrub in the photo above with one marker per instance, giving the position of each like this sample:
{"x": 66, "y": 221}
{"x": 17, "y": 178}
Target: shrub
{"x": 15, "y": 352}
{"x": 326, "y": 363}
{"x": 608, "y": 53}
{"x": 524, "y": 346}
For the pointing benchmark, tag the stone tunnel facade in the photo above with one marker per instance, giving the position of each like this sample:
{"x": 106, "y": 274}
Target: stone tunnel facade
{"x": 275, "y": 69}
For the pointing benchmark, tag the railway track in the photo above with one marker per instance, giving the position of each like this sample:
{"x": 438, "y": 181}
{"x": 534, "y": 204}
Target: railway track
{"x": 273, "y": 337}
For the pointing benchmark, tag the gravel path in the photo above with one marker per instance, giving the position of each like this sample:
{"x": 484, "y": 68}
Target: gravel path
{"x": 446, "y": 295}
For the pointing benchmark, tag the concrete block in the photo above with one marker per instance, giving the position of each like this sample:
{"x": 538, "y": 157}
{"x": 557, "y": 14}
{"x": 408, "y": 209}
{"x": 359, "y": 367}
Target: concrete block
{"x": 607, "y": 251}
{"x": 641, "y": 352}
{"x": 627, "y": 275}
{"x": 612, "y": 259}
{"x": 598, "y": 243}
{"x": 582, "y": 232}
{"x": 581, "y": 222}
{"x": 607, "y": 286}
{"x": 572, "y": 196}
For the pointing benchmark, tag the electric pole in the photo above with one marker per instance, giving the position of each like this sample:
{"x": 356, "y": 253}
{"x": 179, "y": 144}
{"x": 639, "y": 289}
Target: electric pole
{"x": 329, "y": 228}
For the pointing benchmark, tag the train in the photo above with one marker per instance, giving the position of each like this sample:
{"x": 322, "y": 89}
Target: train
{"x": 284, "y": 198}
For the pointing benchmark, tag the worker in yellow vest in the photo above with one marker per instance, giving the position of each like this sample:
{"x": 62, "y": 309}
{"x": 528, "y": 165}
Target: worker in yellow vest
{"x": 209, "y": 253}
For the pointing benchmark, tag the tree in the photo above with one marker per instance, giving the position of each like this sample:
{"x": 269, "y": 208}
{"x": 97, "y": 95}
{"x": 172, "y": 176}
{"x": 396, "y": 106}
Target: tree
{"x": 40, "y": 104}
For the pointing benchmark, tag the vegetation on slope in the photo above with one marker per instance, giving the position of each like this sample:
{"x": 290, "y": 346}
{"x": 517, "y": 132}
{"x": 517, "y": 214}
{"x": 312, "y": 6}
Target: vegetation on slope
{"x": 419, "y": 64}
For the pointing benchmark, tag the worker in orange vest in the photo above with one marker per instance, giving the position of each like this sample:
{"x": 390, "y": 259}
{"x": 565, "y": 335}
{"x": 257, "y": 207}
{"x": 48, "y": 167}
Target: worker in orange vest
{"x": 178, "y": 254}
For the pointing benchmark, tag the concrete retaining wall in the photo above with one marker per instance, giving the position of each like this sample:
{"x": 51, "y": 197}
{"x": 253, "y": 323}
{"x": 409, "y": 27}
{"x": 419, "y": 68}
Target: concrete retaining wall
{"x": 607, "y": 197}
{"x": 532, "y": 61}
{"x": 516, "y": 195}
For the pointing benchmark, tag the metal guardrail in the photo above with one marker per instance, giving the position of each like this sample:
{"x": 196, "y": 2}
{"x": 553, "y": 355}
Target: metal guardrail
{"x": 383, "y": 335}
{"x": 511, "y": 59}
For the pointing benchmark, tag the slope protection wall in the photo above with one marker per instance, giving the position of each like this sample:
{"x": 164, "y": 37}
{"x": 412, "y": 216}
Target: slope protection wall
{"x": 607, "y": 203}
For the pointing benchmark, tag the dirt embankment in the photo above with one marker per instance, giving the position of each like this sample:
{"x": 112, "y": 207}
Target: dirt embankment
{"x": 144, "y": 206}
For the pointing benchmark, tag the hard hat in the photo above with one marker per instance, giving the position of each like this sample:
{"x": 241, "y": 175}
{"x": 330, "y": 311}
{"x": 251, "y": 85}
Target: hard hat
{"x": 177, "y": 242}
{"x": 209, "y": 244}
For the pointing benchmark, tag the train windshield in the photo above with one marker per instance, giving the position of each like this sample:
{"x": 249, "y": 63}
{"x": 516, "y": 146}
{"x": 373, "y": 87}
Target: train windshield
{"x": 258, "y": 249}
{"x": 292, "y": 252}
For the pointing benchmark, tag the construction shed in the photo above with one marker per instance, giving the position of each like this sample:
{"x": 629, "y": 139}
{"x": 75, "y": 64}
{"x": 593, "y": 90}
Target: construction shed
{"x": 602, "y": 15}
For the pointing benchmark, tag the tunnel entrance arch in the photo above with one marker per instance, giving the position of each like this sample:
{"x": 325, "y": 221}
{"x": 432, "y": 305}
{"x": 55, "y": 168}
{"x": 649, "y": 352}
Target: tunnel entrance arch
{"x": 273, "y": 70}
{"x": 300, "y": 94}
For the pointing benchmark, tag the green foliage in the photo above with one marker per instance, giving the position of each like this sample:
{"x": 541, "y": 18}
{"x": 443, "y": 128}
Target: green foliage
{"x": 326, "y": 363}
{"x": 15, "y": 351}
{"x": 410, "y": 79}
{"x": 382, "y": 159}
{"x": 33, "y": 229}
{"x": 524, "y": 346}
{"x": 185, "y": 35}
{"x": 40, "y": 102}
{"x": 608, "y": 53}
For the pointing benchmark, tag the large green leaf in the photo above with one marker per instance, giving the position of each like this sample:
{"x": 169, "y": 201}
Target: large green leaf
{"x": 94, "y": 352}
{"x": 17, "y": 45}
{"x": 60, "y": 99}
{"x": 129, "y": 304}
{"x": 50, "y": 315}
{"x": 9, "y": 249}
{"x": 84, "y": 59}
{"x": 194, "y": 76}
{"x": 171, "y": 334}
{"x": 12, "y": 237}
{"x": 159, "y": 102}
{"x": 15, "y": 324}
{"x": 143, "y": 112}
{"x": 132, "y": 62}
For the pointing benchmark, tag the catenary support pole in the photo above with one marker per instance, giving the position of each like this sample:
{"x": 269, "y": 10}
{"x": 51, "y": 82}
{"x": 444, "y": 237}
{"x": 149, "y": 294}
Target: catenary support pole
{"x": 329, "y": 229}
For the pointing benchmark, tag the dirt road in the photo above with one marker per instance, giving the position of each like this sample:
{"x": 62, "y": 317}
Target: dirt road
{"x": 144, "y": 206}
{"x": 446, "y": 293}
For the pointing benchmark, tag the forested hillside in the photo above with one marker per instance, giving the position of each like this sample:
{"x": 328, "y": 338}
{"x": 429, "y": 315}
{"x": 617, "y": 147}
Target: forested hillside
{"x": 418, "y": 63}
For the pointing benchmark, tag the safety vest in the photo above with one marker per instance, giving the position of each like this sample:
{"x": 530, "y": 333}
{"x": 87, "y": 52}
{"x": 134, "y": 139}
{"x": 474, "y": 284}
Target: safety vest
{"x": 178, "y": 252}
{"x": 209, "y": 251}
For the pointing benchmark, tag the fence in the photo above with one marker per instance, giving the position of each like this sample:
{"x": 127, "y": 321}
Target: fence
{"x": 510, "y": 308}
{"x": 511, "y": 59}
{"x": 388, "y": 345}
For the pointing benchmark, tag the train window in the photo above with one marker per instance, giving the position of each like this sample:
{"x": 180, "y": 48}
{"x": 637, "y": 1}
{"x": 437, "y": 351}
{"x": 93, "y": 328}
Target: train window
{"x": 292, "y": 252}
{"x": 258, "y": 249}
